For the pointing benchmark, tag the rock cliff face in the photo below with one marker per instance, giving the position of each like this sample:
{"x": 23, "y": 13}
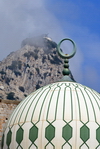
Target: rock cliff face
{"x": 36, "y": 64}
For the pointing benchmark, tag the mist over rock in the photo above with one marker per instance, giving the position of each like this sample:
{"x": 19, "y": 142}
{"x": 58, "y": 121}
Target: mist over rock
{"x": 36, "y": 64}
{"x": 40, "y": 41}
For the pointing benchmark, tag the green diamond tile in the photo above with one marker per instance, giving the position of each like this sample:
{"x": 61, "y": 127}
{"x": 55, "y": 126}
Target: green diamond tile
{"x": 33, "y": 133}
{"x": 98, "y": 134}
{"x": 2, "y": 142}
{"x": 50, "y": 132}
{"x": 84, "y": 133}
{"x": 67, "y": 132}
{"x": 19, "y": 135}
{"x": 8, "y": 140}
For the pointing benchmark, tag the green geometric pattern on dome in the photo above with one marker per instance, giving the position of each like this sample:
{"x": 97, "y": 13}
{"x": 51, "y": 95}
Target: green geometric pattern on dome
{"x": 66, "y": 109}
{"x": 8, "y": 139}
{"x": 50, "y": 132}
{"x": 98, "y": 134}
{"x": 67, "y": 132}
{"x": 19, "y": 135}
{"x": 33, "y": 134}
{"x": 84, "y": 133}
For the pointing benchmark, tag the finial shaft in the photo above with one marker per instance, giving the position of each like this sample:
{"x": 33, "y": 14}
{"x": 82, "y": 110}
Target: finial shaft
{"x": 66, "y": 72}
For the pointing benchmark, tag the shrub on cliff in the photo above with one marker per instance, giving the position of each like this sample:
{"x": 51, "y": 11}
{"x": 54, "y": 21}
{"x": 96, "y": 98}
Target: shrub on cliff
{"x": 11, "y": 96}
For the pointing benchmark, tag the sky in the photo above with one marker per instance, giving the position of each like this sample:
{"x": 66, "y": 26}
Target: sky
{"x": 78, "y": 20}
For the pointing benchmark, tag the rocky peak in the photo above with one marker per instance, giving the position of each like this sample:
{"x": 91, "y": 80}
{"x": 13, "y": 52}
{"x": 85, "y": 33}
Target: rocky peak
{"x": 36, "y": 64}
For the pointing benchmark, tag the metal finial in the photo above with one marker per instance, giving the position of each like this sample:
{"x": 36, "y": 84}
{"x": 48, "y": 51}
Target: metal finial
{"x": 68, "y": 56}
{"x": 66, "y": 71}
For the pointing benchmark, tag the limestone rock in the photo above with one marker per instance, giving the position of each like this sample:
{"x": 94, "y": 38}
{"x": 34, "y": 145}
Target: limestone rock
{"x": 36, "y": 64}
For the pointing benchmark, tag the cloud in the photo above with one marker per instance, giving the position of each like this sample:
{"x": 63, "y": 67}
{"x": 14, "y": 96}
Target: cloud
{"x": 23, "y": 18}
{"x": 88, "y": 64}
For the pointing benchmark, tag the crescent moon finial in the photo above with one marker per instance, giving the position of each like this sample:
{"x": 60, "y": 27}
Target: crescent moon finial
{"x": 61, "y": 54}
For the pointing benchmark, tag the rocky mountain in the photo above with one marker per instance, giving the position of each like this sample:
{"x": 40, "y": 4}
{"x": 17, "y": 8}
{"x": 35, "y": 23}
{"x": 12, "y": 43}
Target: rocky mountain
{"x": 36, "y": 64}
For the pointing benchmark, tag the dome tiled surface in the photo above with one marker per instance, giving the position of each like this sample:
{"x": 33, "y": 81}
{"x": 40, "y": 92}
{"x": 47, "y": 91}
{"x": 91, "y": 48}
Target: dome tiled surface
{"x": 62, "y": 115}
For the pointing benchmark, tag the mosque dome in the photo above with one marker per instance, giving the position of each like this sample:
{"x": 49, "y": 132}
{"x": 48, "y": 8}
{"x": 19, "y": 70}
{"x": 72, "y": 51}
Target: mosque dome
{"x": 61, "y": 115}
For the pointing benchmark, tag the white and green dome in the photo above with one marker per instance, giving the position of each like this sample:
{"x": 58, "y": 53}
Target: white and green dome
{"x": 62, "y": 115}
